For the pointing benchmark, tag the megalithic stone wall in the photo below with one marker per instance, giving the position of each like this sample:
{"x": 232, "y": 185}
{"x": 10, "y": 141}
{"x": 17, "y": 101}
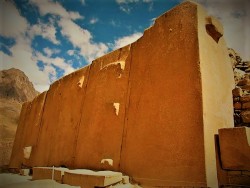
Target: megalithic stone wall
{"x": 150, "y": 108}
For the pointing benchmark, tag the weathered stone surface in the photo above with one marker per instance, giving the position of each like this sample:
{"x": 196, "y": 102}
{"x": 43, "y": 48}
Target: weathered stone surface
{"x": 245, "y": 115}
{"x": 246, "y": 87}
{"x": 243, "y": 82}
{"x": 246, "y": 105}
{"x": 245, "y": 98}
{"x": 237, "y": 92}
{"x": 30, "y": 122}
{"x": 17, "y": 150}
{"x": 103, "y": 112}
{"x": 124, "y": 111}
{"x": 237, "y": 105}
{"x": 61, "y": 120}
{"x": 235, "y": 148}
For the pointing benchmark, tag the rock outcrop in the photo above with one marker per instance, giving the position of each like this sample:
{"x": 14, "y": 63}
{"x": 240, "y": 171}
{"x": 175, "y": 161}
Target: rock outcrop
{"x": 15, "y": 88}
{"x": 241, "y": 93}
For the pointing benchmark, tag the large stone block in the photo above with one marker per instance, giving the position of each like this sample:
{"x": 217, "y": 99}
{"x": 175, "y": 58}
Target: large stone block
{"x": 27, "y": 131}
{"x": 235, "y": 148}
{"x": 17, "y": 153}
{"x": 165, "y": 124}
{"x": 147, "y": 109}
{"x": 61, "y": 119}
{"x": 41, "y": 173}
{"x": 101, "y": 128}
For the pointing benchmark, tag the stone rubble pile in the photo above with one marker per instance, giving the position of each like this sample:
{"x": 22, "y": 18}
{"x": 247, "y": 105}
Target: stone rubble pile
{"x": 241, "y": 93}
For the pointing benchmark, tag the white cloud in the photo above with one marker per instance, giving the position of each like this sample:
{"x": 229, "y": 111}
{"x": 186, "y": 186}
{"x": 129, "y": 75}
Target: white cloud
{"x": 49, "y": 52}
{"x": 126, "y": 9}
{"x": 123, "y": 41}
{"x": 93, "y": 20}
{"x": 71, "y": 52}
{"x": 12, "y": 24}
{"x": 57, "y": 61}
{"x": 22, "y": 51}
{"x": 114, "y": 23}
{"x": 126, "y": 1}
{"x": 22, "y": 59}
{"x": 124, "y": 5}
{"x": 147, "y": 1}
{"x": 50, "y": 7}
{"x": 78, "y": 36}
{"x": 83, "y": 2}
{"x": 234, "y": 16}
{"x": 47, "y": 31}
{"x": 82, "y": 39}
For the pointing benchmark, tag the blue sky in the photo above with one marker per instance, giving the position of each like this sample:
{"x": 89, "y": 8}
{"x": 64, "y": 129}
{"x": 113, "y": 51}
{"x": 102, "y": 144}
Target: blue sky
{"x": 49, "y": 39}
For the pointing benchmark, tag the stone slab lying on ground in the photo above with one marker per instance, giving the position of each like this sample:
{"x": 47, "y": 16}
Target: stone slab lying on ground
{"x": 235, "y": 148}
{"x": 81, "y": 177}
{"x": 89, "y": 178}
{"x": 47, "y": 173}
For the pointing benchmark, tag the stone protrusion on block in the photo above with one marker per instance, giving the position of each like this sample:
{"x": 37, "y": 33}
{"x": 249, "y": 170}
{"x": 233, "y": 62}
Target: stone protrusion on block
{"x": 91, "y": 179}
{"x": 235, "y": 148}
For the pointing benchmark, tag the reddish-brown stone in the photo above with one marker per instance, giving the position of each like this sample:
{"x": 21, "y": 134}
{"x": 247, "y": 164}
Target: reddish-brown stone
{"x": 128, "y": 108}
{"x": 153, "y": 114}
{"x": 245, "y": 115}
{"x": 17, "y": 153}
{"x": 245, "y": 98}
{"x": 243, "y": 82}
{"x": 61, "y": 120}
{"x": 246, "y": 87}
{"x": 234, "y": 148}
{"x": 237, "y": 92}
{"x": 101, "y": 127}
{"x": 246, "y": 105}
{"x": 237, "y": 105}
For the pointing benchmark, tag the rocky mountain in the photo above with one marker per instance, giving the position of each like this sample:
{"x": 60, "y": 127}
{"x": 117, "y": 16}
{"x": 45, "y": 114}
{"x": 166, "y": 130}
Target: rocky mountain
{"x": 15, "y": 85}
{"x": 15, "y": 88}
